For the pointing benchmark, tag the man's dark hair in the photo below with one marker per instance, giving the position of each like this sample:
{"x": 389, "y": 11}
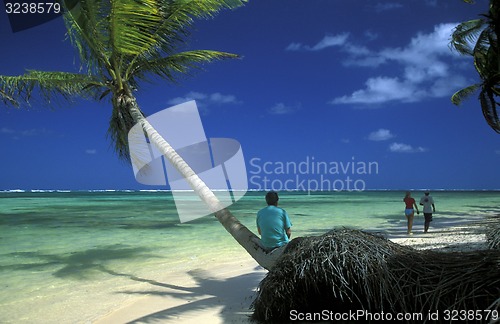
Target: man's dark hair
{"x": 272, "y": 198}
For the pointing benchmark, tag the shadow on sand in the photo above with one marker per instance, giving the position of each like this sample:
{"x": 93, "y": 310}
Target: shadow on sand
{"x": 230, "y": 298}
{"x": 230, "y": 294}
{"x": 79, "y": 265}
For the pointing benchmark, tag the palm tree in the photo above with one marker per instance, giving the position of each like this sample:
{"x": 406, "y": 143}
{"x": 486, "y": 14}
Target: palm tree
{"x": 479, "y": 39}
{"x": 120, "y": 44}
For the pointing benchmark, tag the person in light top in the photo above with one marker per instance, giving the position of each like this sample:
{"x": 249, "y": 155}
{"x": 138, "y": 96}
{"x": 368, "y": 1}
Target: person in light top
{"x": 273, "y": 223}
{"x": 427, "y": 201}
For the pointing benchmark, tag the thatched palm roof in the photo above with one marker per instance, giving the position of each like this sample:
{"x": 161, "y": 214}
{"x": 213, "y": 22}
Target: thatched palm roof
{"x": 493, "y": 232}
{"x": 353, "y": 270}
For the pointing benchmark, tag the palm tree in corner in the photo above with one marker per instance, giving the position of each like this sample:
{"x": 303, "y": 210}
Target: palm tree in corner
{"x": 479, "y": 38}
{"x": 121, "y": 43}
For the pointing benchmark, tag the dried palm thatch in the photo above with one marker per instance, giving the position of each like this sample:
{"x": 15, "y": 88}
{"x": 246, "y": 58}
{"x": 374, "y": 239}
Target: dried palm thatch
{"x": 350, "y": 270}
{"x": 493, "y": 232}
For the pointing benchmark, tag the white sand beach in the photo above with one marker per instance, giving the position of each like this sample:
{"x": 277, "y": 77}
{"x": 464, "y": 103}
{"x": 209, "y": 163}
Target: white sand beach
{"x": 221, "y": 294}
{"x": 224, "y": 292}
{"x": 465, "y": 237}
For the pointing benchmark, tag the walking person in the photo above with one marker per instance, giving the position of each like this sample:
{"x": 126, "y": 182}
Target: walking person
{"x": 428, "y": 202}
{"x": 409, "y": 210}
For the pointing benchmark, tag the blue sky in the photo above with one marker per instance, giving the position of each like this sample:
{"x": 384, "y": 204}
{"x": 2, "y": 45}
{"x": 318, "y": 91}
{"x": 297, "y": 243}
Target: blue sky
{"x": 329, "y": 81}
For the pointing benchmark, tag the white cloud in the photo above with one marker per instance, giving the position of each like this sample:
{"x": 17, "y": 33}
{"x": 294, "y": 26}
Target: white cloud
{"x": 405, "y": 148}
{"x": 5, "y": 130}
{"x": 91, "y": 151}
{"x": 222, "y": 99}
{"x": 379, "y": 7}
{"x": 193, "y": 95}
{"x": 425, "y": 63}
{"x": 26, "y": 132}
{"x": 204, "y": 99}
{"x": 327, "y": 41}
{"x": 370, "y": 35}
{"x": 294, "y": 47}
{"x": 380, "y": 135}
{"x": 380, "y": 90}
{"x": 282, "y": 109}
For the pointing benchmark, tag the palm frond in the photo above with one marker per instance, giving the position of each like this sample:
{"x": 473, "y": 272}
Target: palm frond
{"x": 8, "y": 99}
{"x": 89, "y": 33}
{"x": 459, "y": 96}
{"x": 466, "y": 34}
{"x": 481, "y": 54}
{"x": 133, "y": 25}
{"x": 121, "y": 122}
{"x": 178, "y": 17}
{"x": 489, "y": 109}
{"x": 117, "y": 35}
{"x": 119, "y": 125}
{"x": 48, "y": 85}
{"x": 172, "y": 66}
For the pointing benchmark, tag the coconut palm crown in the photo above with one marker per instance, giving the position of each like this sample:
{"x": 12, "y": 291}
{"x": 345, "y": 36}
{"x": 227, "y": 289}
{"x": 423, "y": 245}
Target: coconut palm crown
{"x": 479, "y": 39}
{"x": 120, "y": 44}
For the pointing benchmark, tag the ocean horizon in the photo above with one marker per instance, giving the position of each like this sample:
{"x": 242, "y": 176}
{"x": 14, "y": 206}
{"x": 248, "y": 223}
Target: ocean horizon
{"x": 240, "y": 190}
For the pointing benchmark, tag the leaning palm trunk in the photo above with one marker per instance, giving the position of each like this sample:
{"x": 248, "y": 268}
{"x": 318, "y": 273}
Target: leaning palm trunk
{"x": 246, "y": 238}
{"x": 120, "y": 43}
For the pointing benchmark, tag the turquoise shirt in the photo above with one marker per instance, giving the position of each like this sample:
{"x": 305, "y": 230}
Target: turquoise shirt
{"x": 273, "y": 223}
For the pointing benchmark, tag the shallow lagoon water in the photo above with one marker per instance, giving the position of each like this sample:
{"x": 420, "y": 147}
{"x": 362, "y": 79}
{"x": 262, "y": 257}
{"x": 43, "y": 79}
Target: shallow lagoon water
{"x": 61, "y": 250}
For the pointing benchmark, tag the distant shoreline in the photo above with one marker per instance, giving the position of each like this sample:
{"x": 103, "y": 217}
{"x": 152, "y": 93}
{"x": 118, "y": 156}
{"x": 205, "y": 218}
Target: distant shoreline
{"x": 446, "y": 237}
{"x": 249, "y": 190}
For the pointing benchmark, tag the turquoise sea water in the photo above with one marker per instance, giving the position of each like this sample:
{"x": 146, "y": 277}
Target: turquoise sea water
{"x": 61, "y": 252}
